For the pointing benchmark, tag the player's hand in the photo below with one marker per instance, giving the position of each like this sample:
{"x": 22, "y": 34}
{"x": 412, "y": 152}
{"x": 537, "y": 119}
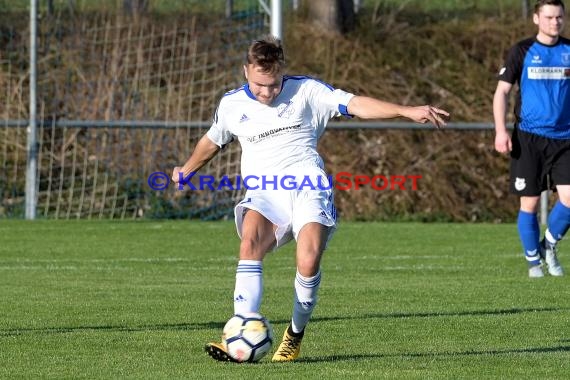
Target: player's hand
{"x": 503, "y": 143}
{"x": 429, "y": 114}
{"x": 176, "y": 174}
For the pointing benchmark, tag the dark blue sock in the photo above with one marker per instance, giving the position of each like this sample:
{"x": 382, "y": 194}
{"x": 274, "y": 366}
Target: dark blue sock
{"x": 559, "y": 220}
{"x": 529, "y": 234}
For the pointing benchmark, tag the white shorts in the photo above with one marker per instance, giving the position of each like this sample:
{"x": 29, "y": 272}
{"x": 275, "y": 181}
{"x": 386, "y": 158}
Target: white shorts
{"x": 290, "y": 210}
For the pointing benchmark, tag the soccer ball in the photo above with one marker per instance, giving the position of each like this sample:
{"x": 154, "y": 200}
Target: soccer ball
{"x": 247, "y": 337}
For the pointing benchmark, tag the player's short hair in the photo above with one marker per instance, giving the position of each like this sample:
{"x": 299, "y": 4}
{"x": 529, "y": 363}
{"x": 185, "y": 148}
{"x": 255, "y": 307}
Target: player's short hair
{"x": 541, "y": 3}
{"x": 266, "y": 53}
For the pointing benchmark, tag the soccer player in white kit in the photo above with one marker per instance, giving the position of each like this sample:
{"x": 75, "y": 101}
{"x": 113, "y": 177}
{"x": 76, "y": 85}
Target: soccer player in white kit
{"x": 278, "y": 120}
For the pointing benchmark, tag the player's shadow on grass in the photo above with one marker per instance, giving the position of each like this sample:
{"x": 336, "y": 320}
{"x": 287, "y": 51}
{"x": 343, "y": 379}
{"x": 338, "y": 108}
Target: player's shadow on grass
{"x": 219, "y": 325}
{"x": 336, "y": 358}
{"x": 112, "y": 328}
{"x": 558, "y": 348}
{"x": 432, "y": 314}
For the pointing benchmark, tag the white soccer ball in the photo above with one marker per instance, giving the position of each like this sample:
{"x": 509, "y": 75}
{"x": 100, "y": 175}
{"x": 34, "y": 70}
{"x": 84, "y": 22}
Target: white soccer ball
{"x": 247, "y": 337}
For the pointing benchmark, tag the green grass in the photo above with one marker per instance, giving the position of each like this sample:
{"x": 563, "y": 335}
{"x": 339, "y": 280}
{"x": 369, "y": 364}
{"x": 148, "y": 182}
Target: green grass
{"x": 103, "y": 300}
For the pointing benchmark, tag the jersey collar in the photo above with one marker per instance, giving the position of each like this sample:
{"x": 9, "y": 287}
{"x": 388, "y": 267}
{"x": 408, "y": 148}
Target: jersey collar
{"x": 250, "y": 94}
{"x": 248, "y": 91}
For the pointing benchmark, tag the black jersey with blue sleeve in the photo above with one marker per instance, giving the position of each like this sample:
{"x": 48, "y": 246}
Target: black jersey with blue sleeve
{"x": 543, "y": 74}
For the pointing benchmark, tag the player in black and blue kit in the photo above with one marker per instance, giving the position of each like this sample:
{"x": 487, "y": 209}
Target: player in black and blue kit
{"x": 540, "y": 143}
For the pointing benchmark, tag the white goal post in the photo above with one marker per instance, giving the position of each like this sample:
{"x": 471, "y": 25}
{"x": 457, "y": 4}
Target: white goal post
{"x": 112, "y": 90}
{"x": 31, "y": 184}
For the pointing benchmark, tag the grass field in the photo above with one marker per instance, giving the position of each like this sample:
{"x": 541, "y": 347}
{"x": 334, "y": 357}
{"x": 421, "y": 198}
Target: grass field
{"x": 103, "y": 300}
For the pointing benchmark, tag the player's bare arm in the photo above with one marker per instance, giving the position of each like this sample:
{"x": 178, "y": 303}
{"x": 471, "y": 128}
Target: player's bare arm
{"x": 204, "y": 151}
{"x": 370, "y": 108}
{"x": 503, "y": 142}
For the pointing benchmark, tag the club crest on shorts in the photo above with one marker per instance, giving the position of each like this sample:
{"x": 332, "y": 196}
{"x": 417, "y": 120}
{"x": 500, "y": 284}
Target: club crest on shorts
{"x": 520, "y": 184}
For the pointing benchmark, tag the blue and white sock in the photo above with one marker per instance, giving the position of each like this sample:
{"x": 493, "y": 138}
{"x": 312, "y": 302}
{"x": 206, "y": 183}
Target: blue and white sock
{"x": 249, "y": 286}
{"x": 529, "y": 234}
{"x": 306, "y": 289}
{"x": 558, "y": 223}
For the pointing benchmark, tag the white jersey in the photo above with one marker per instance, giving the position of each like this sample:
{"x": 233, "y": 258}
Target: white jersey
{"x": 282, "y": 136}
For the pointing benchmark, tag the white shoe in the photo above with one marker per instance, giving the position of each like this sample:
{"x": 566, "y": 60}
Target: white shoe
{"x": 548, "y": 253}
{"x": 535, "y": 271}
